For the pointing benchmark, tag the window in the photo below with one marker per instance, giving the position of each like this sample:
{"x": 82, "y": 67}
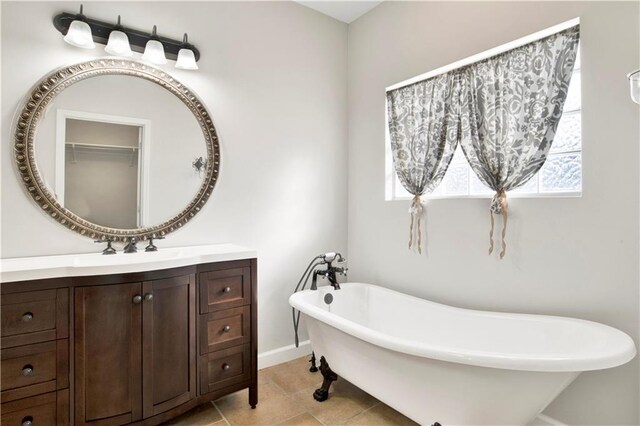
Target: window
{"x": 561, "y": 174}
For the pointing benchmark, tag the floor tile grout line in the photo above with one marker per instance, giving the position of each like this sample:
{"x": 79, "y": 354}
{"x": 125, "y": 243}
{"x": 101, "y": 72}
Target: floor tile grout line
{"x": 317, "y": 419}
{"x": 362, "y": 412}
{"x": 294, "y": 416}
{"x": 279, "y": 387}
{"x": 221, "y": 413}
{"x": 372, "y": 407}
{"x": 290, "y": 395}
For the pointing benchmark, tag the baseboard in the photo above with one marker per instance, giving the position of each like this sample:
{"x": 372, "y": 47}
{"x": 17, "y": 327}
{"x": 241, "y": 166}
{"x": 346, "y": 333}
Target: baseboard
{"x": 283, "y": 354}
{"x": 543, "y": 420}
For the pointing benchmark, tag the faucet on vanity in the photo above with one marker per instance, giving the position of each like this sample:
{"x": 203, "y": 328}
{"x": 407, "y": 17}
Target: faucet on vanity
{"x": 131, "y": 245}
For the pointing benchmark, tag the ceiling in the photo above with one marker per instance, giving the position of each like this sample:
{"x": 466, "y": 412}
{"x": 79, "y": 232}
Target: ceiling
{"x": 345, "y": 11}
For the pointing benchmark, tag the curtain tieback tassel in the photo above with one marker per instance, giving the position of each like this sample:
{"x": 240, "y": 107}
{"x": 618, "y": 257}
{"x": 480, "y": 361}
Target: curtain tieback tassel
{"x": 499, "y": 206}
{"x": 414, "y": 228}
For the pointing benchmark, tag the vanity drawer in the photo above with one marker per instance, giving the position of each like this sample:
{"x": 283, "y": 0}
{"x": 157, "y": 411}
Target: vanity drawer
{"x": 34, "y": 369}
{"x": 34, "y": 316}
{"x": 224, "y": 289}
{"x": 28, "y": 365}
{"x": 224, "y": 329}
{"x": 39, "y": 410}
{"x": 224, "y": 368}
{"x": 28, "y": 312}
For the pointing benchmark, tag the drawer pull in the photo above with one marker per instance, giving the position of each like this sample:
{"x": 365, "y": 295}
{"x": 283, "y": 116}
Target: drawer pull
{"x": 226, "y": 290}
{"x": 27, "y": 421}
{"x": 225, "y": 366}
{"x": 227, "y": 328}
{"x": 137, "y": 299}
{"x": 148, "y": 297}
{"x": 27, "y": 370}
{"x": 27, "y": 317}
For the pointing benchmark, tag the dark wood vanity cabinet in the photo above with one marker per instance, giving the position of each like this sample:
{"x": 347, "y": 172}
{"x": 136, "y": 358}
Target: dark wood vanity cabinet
{"x": 134, "y": 349}
{"x": 129, "y": 348}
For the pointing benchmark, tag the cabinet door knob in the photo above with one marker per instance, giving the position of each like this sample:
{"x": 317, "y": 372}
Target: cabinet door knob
{"x": 148, "y": 297}
{"x": 225, "y": 366}
{"x": 226, "y": 290}
{"x": 27, "y": 370}
{"x": 226, "y": 328}
{"x": 137, "y": 299}
{"x": 27, "y": 421}
{"x": 27, "y": 317}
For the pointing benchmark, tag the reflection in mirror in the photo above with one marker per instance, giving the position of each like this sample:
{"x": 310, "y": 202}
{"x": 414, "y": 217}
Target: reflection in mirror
{"x": 117, "y": 150}
{"x": 102, "y": 180}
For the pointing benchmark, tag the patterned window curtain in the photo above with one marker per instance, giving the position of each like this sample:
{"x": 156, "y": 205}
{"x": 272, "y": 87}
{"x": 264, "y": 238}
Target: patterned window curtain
{"x": 423, "y": 121}
{"x": 510, "y": 108}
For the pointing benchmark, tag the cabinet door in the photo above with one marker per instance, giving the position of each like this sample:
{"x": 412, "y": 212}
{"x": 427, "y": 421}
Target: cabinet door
{"x": 169, "y": 345}
{"x": 108, "y": 380}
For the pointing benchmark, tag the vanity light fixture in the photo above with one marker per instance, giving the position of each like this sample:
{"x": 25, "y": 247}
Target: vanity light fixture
{"x": 634, "y": 86}
{"x": 79, "y": 32}
{"x": 186, "y": 57}
{"x": 82, "y": 31}
{"x": 118, "y": 43}
{"x": 154, "y": 51}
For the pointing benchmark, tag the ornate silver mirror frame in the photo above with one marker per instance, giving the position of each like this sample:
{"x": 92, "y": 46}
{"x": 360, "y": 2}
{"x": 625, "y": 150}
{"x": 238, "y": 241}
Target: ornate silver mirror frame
{"x": 36, "y": 104}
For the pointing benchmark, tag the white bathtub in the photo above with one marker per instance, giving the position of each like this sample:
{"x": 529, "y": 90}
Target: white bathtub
{"x": 434, "y": 362}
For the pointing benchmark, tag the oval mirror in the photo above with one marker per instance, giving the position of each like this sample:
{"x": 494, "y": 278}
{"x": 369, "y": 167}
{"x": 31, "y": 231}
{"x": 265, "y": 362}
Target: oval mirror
{"x": 115, "y": 148}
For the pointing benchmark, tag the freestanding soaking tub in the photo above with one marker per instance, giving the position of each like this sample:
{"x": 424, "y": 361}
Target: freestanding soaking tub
{"x": 437, "y": 363}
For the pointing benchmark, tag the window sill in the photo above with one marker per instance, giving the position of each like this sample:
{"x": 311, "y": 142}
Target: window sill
{"x": 574, "y": 194}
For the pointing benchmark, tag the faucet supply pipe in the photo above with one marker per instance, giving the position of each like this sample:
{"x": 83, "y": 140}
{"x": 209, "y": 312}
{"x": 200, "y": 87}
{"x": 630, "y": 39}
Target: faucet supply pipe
{"x": 303, "y": 281}
{"x": 325, "y": 258}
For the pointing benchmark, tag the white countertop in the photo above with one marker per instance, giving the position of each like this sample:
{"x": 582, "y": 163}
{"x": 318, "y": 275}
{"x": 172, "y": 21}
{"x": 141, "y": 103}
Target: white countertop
{"x": 74, "y": 265}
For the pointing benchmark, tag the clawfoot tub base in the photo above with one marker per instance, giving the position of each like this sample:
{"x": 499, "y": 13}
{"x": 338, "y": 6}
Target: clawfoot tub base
{"x": 329, "y": 377}
{"x": 313, "y": 367}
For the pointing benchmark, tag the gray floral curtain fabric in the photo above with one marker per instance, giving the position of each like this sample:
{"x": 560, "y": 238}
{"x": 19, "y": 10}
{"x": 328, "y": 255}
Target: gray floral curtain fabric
{"x": 513, "y": 103}
{"x": 504, "y": 111}
{"x": 423, "y": 129}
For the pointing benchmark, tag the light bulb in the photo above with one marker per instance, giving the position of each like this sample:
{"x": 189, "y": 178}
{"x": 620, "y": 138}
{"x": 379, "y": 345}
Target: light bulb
{"x": 118, "y": 44}
{"x": 186, "y": 60}
{"x": 79, "y": 35}
{"x": 154, "y": 53}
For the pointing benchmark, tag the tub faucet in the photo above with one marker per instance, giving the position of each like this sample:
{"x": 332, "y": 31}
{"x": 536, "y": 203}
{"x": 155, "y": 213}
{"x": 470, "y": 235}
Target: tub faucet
{"x": 331, "y": 272}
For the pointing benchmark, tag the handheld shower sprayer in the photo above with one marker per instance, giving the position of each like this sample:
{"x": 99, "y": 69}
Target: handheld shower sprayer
{"x": 331, "y": 257}
{"x": 330, "y": 273}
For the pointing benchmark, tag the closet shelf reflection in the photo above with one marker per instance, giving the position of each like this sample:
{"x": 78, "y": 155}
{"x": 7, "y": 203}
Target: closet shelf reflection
{"x": 133, "y": 150}
{"x": 100, "y": 146}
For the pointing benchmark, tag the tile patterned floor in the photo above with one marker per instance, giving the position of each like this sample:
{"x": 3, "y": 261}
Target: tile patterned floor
{"x": 285, "y": 398}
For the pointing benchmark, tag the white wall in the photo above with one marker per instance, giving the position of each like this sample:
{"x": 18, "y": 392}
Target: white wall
{"x": 573, "y": 256}
{"x": 273, "y": 76}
